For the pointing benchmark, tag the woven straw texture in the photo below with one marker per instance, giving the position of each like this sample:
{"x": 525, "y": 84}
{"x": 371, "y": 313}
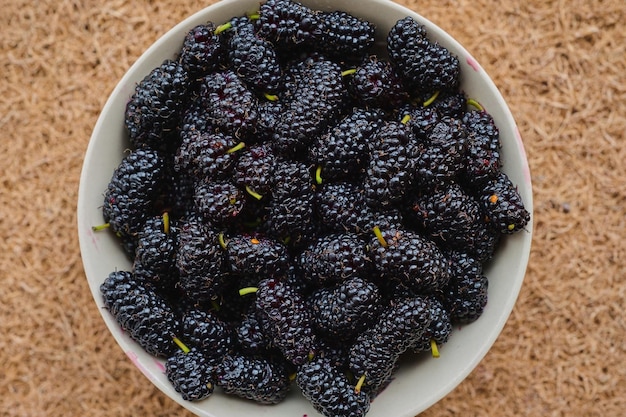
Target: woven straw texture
{"x": 561, "y": 66}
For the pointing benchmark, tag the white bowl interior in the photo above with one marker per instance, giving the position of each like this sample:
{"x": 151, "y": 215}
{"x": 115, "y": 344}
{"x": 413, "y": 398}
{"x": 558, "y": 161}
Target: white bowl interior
{"x": 417, "y": 385}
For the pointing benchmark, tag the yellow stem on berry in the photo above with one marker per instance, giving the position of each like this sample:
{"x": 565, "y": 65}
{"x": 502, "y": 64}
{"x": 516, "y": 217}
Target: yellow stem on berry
{"x": 222, "y": 242}
{"x": 379, "y": 236}
{"x": 254, "y": 16}
{"x": 318, "y": 175}
{"x": 100, "y": 227}
{"x": 181, "y": 345}
{"x": 248, "y": 290}
{"x": 223, "y": 28}
{"x": 359, "y": 384}
{"x": 348, "y": 72}
{"x": 431, "y": 99}
{"x": 253, "y": 193}
{"x": 270, "y": 97}
{"x": 405, "y": 119}
{"x": 166, "y": 223}
{"x": 433, "y": 348}
{"x": 472, "y": 102}
{"x": 237, "y": 147}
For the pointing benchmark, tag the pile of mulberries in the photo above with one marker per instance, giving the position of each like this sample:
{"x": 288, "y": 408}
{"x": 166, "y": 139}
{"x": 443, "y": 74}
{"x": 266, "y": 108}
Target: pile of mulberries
{"x": 295, "y": 203}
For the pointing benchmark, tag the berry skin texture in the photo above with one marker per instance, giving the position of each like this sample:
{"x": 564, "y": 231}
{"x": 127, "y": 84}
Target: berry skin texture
{"x": 334, "y": 258}
{"x": 286, "y": 319}
{"x": 375, "y": 84}
{"x": 390, "y": 172}
{"x": 443, "y": 155}
{"x": 483, "y": 148}
{"x": 230, "y": 105}
{"x": 345, "y": 37}
{"x": 131, "y": 192}
{"x": 153, "y": 110}
{"x": 503, "y": 205}
{"x": 409, "y": 258}
{"x": 425, "y": 65}
{"x": 155, "y": 256}
{"x": 316, "y": 104}
{"x": 200, "y": 261}
{"x": 257, "y": 255}
{"x": 207, "y": 333}
{"x": 253, "y": 59}
{"x": 345, "y": 310}
{"x": 287, "y": 23}
{"x": 439, "y": 328}
{"x": 140, "y": 311}
{"x": 342, "y": 152}
{"x": 202, "y": 52}
{"x": 262, "y": 380}
{"x": 449, "y": 216}
{"x": 466, "y": 295}
{"x": 329, "y": 391}
{"x": 218, "y": 202}
{"x": 376, "y": 350}
{"x": 191, "y": 374}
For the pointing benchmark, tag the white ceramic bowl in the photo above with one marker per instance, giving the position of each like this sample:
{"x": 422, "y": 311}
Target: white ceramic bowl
{"x": 415, "y": 387}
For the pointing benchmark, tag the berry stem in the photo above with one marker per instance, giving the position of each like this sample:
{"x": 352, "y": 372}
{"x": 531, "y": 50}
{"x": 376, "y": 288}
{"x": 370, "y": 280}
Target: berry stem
{"x": 472, "y": 102}
{"x": 348, "y": 72}
{"x": 248, "y": 290}
{"x": 433, "y": 348}
{"x": 223, "y": 28}
{"x": 100, "y": 227}
{"x": 318, "y": 175}
{"x": 181, "y": 345}
{"x": 237, "y": 147}
{"x": 253, "y": 193}
{"x": 405, "y": 119}
{"x": 379, "y": 236}
{"x": 270, "y": 97}
{"x": 431, "y": 99}
{"x": 359, "y": 384}
{"x": 222, "y": 242}
{"x": 166, "y": 223}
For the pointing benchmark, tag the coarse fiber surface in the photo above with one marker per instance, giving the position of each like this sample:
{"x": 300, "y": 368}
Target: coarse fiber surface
{"x": 561, "y": 66}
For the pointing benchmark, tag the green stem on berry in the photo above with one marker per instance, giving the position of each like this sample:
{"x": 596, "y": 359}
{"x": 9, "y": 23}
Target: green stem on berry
{"x": 405, "y": 119}
{"x": 433, "y": 348}
{"x": 223, "y": 28}
{"x": 222, "y": 242}
{"x": 359, "y": 384}
{"x": 253, "y": 193}
{"x": 379, "y": 236}
{"x": 100, "y": 227}
{"x": 431, "y": 99}
{"x": 511, "y": 227}
{"x": 318, "y": 175}
{"x": 348, "y": 72}
{"x": 472, "y": 102}
{"x": 254, "y": 16}
{"x": 270, "y": 97}
{"x": 237, "y": 147}
{"x": 248, "y": 290}
{"x": 166, "y": 223}
{"x": 181, "y": 345}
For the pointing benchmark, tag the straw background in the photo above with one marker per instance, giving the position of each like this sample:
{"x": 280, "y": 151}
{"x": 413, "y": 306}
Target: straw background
{"x": 561, "y": 66}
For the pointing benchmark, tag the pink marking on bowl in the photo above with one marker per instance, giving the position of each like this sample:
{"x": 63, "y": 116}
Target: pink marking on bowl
{"x": 473, "y": 63}
{"x": 135, "y": 360}
{"x": 94, "y": 239}
{"x": 160, "y": 365}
